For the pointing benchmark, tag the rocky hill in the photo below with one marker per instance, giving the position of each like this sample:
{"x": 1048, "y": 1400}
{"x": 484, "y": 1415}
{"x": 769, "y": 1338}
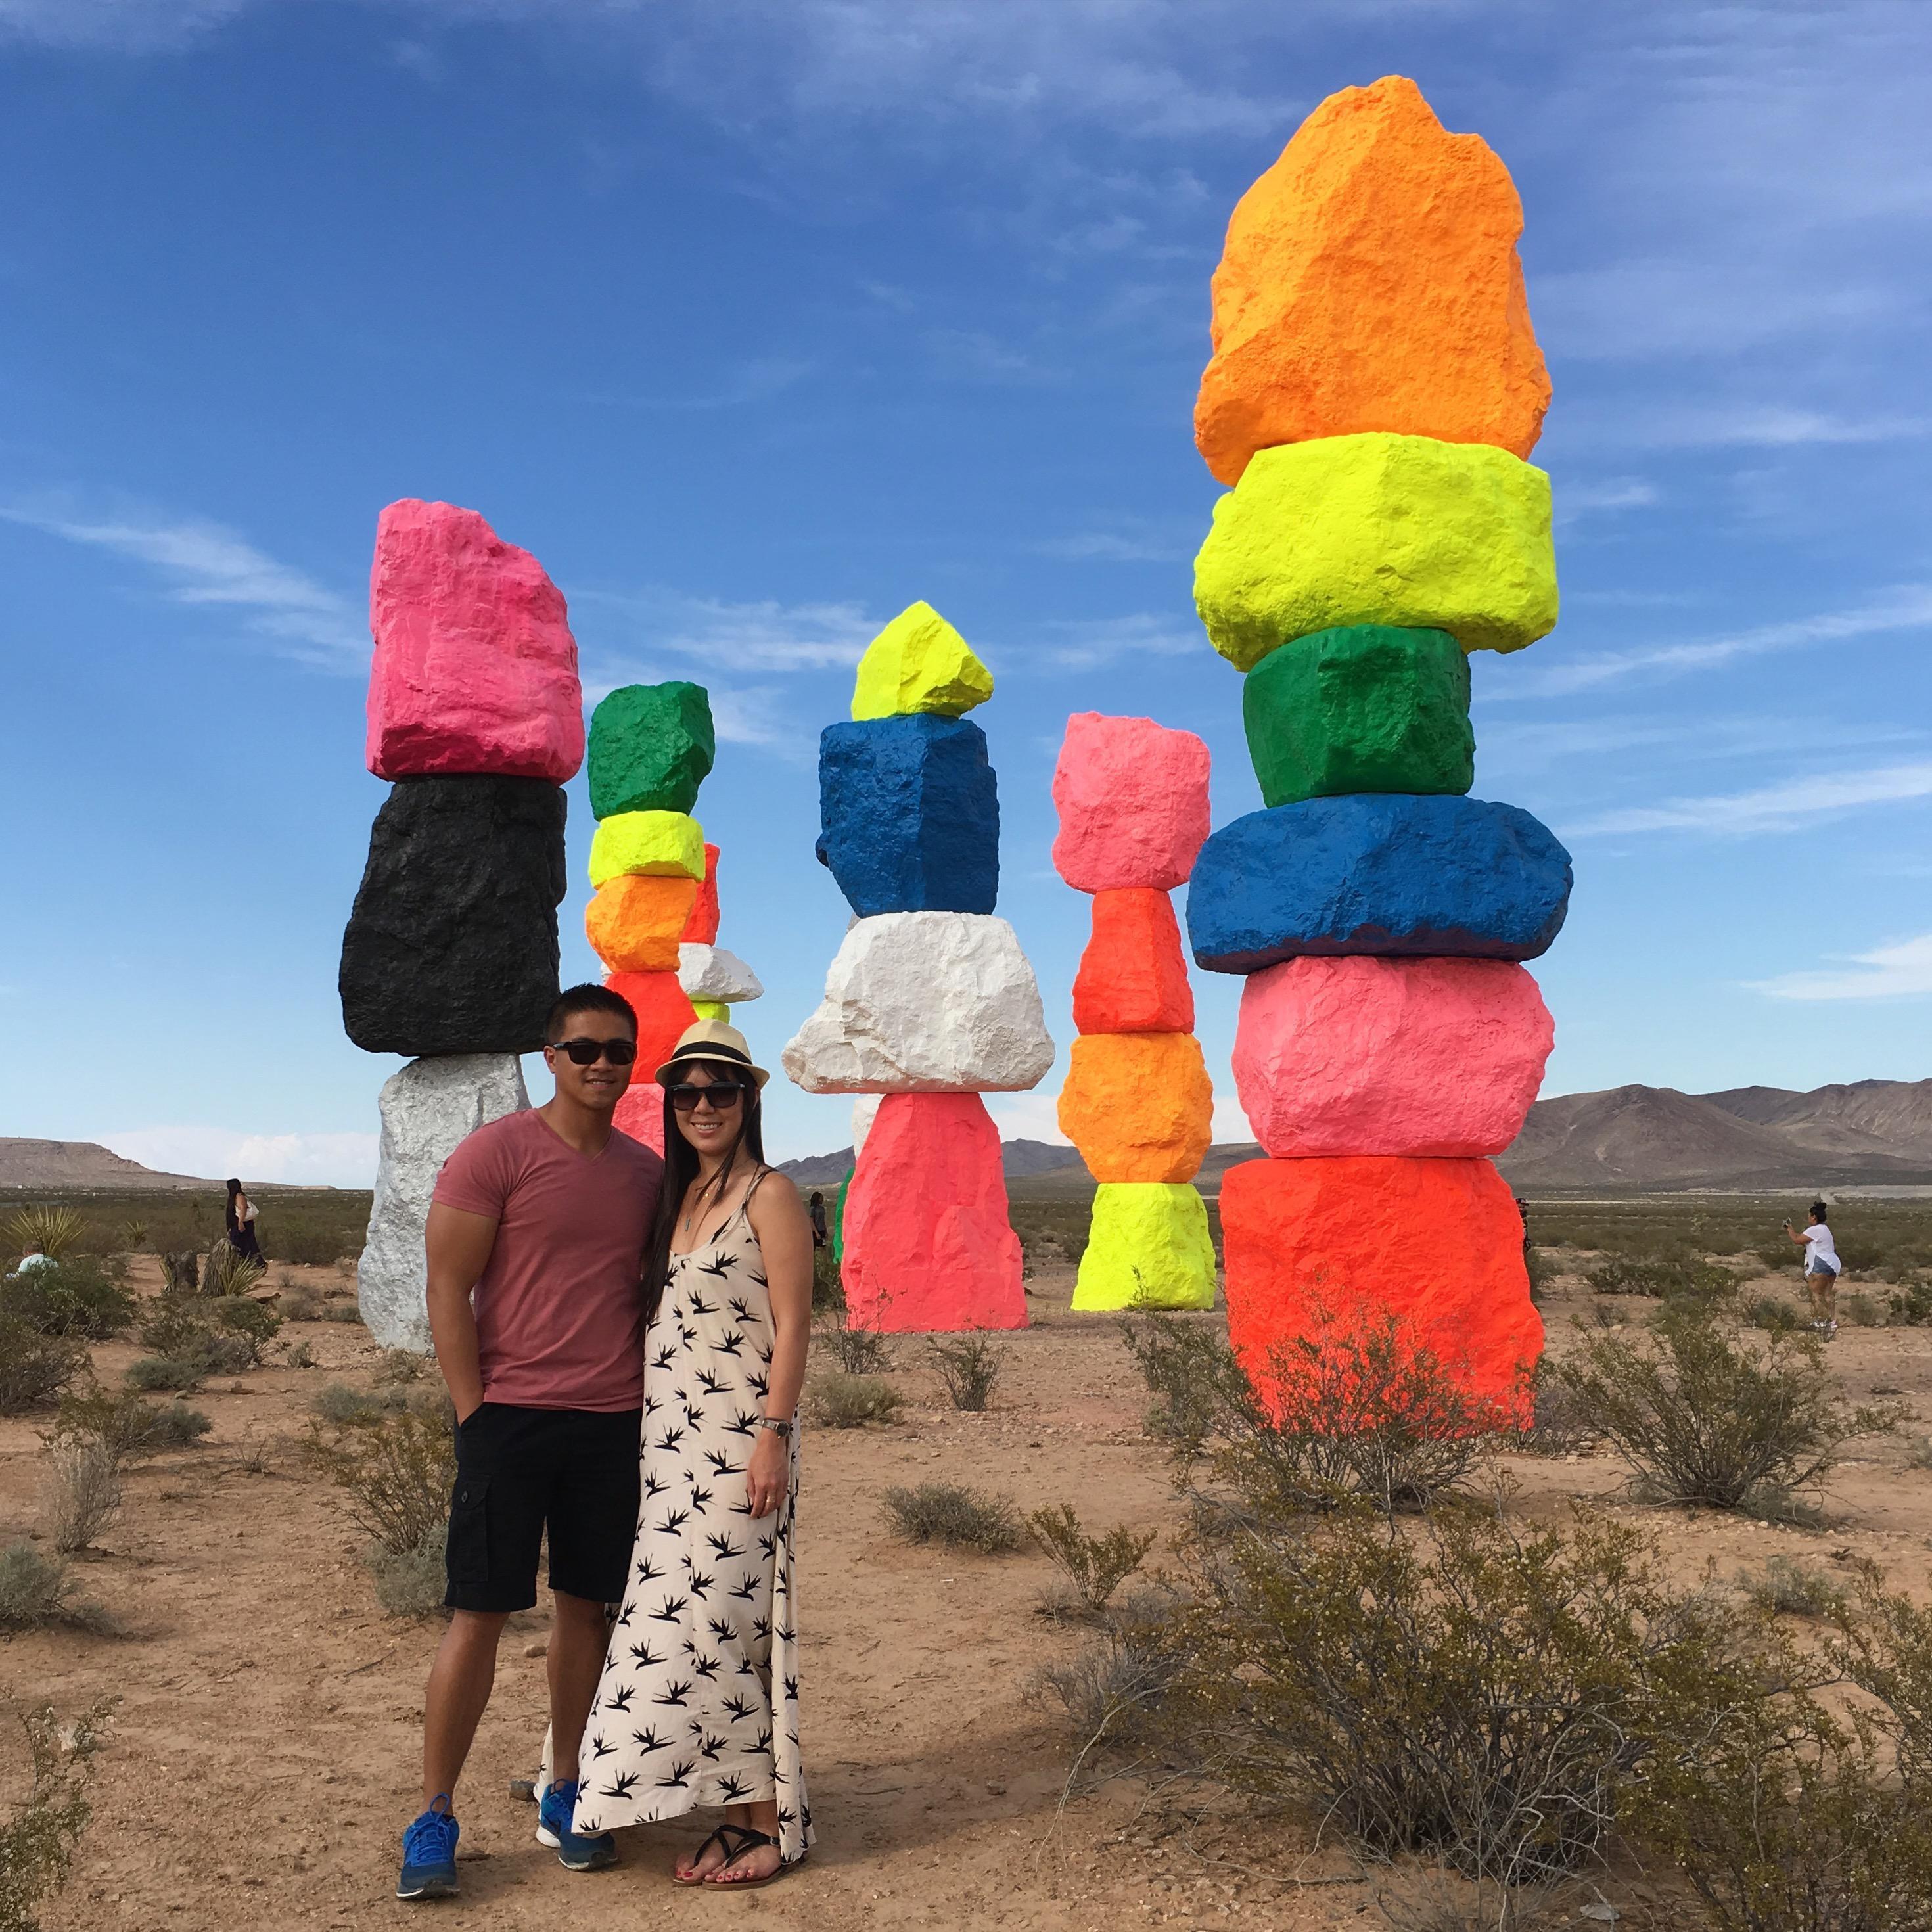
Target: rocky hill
{"x": 29, "y": 1166}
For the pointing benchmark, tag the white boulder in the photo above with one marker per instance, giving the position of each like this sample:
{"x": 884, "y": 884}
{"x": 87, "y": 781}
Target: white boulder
{"x": 426, "y": 1108}
{"x": 710, "y": 973}
{"x": 924, "y": 1002}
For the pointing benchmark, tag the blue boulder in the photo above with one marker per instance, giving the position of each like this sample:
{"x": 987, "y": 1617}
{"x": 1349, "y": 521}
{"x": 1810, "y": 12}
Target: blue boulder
{"x": 910, "y": 810}
{"x": 1387, "y": 873}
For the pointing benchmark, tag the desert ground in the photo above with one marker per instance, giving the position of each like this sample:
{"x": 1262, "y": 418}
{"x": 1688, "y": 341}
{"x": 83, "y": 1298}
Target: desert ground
{"x": 262, "y": 1756}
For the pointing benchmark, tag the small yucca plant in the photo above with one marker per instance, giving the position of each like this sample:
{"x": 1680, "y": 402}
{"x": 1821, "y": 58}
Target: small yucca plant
{"x": 51, "y": 1229}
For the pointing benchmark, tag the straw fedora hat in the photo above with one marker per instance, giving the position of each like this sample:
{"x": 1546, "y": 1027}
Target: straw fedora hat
{"x": 710, "y": 1039}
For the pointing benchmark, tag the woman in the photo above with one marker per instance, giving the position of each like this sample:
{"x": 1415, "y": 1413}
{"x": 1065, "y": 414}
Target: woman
{"x": 1821, "y": 1269}
{"x": 240, "y": 1218}
{"x": 698, "y": 1702}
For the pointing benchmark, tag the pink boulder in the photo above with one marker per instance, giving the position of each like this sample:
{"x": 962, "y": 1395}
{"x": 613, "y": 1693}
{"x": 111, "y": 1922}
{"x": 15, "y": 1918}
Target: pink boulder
{"x": 1132, "y": 799}
{"x": 1370, "y": 1056}
{"x": 928, "y": 1245}
{"x": 640, "y": 1114}
{"x": 475, "y": 669}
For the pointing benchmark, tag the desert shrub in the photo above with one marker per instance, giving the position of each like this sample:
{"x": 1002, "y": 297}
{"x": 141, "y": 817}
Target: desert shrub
{"x": 1473, "y": 1691}
{"x": 206, "y": 1335}
{"x": 53, "y": 1228}
{"x": 1776, "y": 1317}
{"x": 1356, "y": 1407}
{"x": 34, "y": 1367}
{"x": 1775, "y": 1256}
{"x": 396, "y": 1470}
{"x": 1784, "y": 1588}
{"x": 1627, "y": 1274}
{"x": 828, "y": 1288}
{"x": 298, "y": 1301}
{"x": 1883, "y": 1645}
{"x": 203, "y": 1355}
{"x": 399, "y": 1365}
{"x": 968, "y": 1367}
{"x": 37, "y": 1845}
{"x": 342, "y": 1311}
{"x": 410, "y": 1582}
{"x": 300, "y": 1355}
{"x": 338, "y": 1404}
{"x": 1557, "y": 1425}
{"x": 38, "y": 1590}
{"x": 1111, "y": 1690}
{"x": 134, "y": 1234}
{"x": 81, "y": 1296}
{"x": 1702, "y": 1416}
{"x": 131, "y": 1428}
{"x": 80, "y": 1490}
{"x": 1543, "y": 1271}
{"x": 313, "y": 1247}
{"x": 1858, "y": 1310}
{"x": 1095, "y": 1566}
{"x": 858, "y": 1351}
{"x": 953, "y": 1514}
{"x": 1912, "y": 1306}
{"x": 837, "y": 1400}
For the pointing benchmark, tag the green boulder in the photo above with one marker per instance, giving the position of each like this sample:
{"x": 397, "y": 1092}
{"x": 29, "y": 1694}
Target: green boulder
{"x": 1365, "y": 707}
{"x": 651, "y": 745}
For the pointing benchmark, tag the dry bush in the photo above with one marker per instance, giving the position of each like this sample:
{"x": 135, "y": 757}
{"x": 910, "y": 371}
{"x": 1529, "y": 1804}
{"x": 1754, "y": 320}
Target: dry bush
{"x": 80, "y": 1490}
{"x": 52, "y": 1229}
{"x": 1775, "y": 1317}
{"x": 397, "y": 1470}
{"x": 298, "y": 1302}
{"x": 34, "y": 1367}
{"x": 1095, "y": 1566}
{"x": 132, "y": 1429}
{"x": 1784, "y": 1588}
{"x": 858, "y": 1351}
{"x": 1859, "y": 1309}
{"x": 37, "y": 1591}
{"x": 37, "y": 1846}
{"x": 410, "y": 1582}
{"x": 1703, "y": 1416}
{"x": 1557, "y": 1425}
{"x": 399, "y": 1365}
{"x": 953, "y": 1514}
{"x": 1883, "y": 1644}
{"x": 1671, "y": 1279}
{"x": 968, "y": 1367}
{"x": 194, "y": 1336}
{"x": 181, "y": 1273}
{"x": 1113, "y": 1689}
{"x": 836, "y": 1400}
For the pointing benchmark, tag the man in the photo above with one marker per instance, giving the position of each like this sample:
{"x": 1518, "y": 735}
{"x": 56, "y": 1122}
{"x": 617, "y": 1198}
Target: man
{"x": 544, "y": 1216}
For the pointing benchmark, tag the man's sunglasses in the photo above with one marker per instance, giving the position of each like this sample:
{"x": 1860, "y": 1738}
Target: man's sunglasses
{"x": 588, "y": 1052}
{"x": 723, "y": 1094}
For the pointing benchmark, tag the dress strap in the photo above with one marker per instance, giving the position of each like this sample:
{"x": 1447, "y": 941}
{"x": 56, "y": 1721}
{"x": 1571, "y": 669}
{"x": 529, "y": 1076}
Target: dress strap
{"x": 745, "y": 1206}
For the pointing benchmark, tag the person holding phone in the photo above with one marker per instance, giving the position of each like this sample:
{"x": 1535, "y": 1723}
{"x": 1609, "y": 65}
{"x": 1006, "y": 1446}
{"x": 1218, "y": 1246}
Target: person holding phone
{"x": 1822, "y": 1269}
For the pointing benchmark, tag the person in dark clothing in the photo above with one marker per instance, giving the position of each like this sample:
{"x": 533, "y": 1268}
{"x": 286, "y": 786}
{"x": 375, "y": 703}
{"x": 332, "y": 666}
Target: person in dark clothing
{"x": 240, "y": 1219}
{"x": 815, "y": 1209}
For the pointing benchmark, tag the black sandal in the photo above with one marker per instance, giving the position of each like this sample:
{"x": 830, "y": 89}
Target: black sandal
{"x": 734, "y": 1841}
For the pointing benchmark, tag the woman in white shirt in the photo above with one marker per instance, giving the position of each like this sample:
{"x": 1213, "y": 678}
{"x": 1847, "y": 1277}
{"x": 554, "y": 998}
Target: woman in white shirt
{"x": 1821, "y": 1269}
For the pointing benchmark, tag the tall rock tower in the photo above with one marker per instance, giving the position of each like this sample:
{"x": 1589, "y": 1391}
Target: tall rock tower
{"x": 1375, "y": 388}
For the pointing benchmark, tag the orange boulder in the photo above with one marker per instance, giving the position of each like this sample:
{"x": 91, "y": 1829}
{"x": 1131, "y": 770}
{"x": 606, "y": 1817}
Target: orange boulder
{"x": 1437, "y": 1243}
{"x": 663, "y": 1013}
{"x": 1370, "y": 281}
{"x": 1133, "y": 978}
{"x": 1139, "y": 1106}
{"x": 702, "y": 929}
{"x": 634, "y": 922}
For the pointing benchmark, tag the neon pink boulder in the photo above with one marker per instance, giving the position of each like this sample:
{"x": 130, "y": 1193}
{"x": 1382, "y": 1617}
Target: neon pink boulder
{"x": 928, "y": 1247}
{"x": 1132, "y": 799}
{"x": 640, "y": 1114}
{"x": 474, "y": 669}
{"x": 1368, "y": 1056}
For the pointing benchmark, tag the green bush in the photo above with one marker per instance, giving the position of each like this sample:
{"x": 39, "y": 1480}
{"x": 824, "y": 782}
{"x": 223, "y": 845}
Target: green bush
{"x": 1784, "y": 1588}
{"x": 1911, "y": 1308}
{"x": 1698, "y": 1280}
{"x": 836, "y": 1400}
{"x": 953, "y": 1514}
{"x": 209, "y": 1334}
{"x": 313, "y": 1247}
{"x": 37, "y": 1846}
{"x": 1767, "y": 1311}
{"x": 37, "y": 1591}
{"x": 131, "y": 1428}
{"x": 229, "y": 1272}
{"x": 338, "y": 1404}
{"x": 1858, "y": 1309}
{"x": 200, "y": 1355}
{"x": 1094, "y": 1566}
{"x": 397, "y": 1472}
{"x": 34, "y": 1367}
{"x": 80, "y": 1296}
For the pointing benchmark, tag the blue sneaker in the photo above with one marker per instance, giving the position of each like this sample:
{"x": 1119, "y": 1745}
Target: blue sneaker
{"x": 429, "y": 1855}
{"x": 575, "y": 1852}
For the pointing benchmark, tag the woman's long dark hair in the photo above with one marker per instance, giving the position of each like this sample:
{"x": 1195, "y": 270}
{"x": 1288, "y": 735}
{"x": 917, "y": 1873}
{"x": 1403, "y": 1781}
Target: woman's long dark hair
{"x": 681, "y": 1168}
{"x": 228, "y": 1215}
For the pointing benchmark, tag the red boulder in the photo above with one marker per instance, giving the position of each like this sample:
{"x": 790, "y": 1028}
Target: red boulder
{"x": 701, "y": 928}
{"x": 663, "y": 1013}
{"x": 1133, "y": 978}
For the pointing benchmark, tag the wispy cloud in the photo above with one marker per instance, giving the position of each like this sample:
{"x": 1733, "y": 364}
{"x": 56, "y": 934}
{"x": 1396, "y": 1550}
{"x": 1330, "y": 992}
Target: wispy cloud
{"x": 204, "y": 563}
{"x": 1122, "y": 540}
{"x": 1664, "y": 425}
{"x": 1614, "y": 492}
{"x": 1087, "y": 641}
{"x": 1902, "y": 971}
{"x": 307, "y": 1159}
{"x": 762, "y": 636}
{"x": 1779, "y": 807}
{"x": 122, "y": 26}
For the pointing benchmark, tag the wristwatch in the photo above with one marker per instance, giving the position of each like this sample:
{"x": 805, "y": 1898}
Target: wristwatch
{"x": 777, "y": 1427}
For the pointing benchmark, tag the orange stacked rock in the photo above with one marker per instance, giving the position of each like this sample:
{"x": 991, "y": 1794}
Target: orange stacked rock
{"x": 1374, "y": 389}
{"x": 1137, "y": 1101}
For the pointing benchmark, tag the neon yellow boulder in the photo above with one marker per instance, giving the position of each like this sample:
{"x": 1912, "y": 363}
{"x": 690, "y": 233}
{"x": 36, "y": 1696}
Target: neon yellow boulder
{"x": 665, "y": 845}
{"x": 919, "y": 662}
{"x": 1148, "y": 1247}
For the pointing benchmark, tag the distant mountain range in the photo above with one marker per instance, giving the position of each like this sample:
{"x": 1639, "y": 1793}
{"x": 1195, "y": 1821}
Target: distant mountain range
{"x": 1746, "y": 1139}
{"x": 35, "y": 1166}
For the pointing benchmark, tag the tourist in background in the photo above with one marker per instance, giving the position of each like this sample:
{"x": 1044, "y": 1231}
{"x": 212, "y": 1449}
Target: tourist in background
{"x": 1821, "y": 1269}
{"x": 240, "y": 1218}
{"x": 815, "y": 1208}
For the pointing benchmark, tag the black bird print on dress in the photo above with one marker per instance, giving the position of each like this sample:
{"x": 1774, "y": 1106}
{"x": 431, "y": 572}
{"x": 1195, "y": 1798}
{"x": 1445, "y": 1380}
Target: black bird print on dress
{"x": 721, "y": 1590}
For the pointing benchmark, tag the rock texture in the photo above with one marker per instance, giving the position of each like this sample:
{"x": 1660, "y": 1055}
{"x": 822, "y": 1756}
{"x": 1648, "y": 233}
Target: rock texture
{"x": 474, "y": 669}
{"x": 1379, "y": 529}
{"x": 1133, "y": 978}
{"x": 1132, "y": 799}
{"x": 865, "y": 1112}
{"x": 1147, "y": 1246}
{"x": 1370, "y": 281}
{"x": 919, "y": 663}
{"x": 910, "y": 813}
{"x": 1390, "y": 1056}
{"x": 652, "y": 745}
{"x": 640, "y": 1114}
{"x": 710, "y": 973}
{"x": 1380, "y": 873}
{"x": 1366, "y": 708}
{"x": 451, "y": 945}
{"x": 663, "y": 845}
{"x": 634, "y": 922}
{"x": 426, "y": 1108}
{"x": 1437, "y": 1243}
{"x": 927, "y": 1003}
{"x": 928, "y": 1245}
{"x": 701, "y": 929}
{"x": 663, "y": 1010}
{"x": 1138, "y": 1106}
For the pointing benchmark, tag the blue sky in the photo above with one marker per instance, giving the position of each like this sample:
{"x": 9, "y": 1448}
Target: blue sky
{"x": 755, "y": 321}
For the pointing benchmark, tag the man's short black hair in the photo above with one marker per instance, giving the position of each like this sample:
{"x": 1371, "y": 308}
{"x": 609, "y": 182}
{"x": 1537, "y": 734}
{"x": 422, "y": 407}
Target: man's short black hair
{"x": 586, "y": 999}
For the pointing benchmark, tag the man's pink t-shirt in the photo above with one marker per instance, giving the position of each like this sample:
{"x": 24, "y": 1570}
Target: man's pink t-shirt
{"x": 560, "y": 1307}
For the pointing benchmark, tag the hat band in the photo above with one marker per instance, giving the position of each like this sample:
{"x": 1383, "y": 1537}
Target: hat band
{"x": 709, "y": 1050}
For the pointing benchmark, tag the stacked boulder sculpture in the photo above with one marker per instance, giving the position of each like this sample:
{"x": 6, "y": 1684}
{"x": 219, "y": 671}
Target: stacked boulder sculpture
{"x": 450, "y": 956}
{"x": 1375, "y": 388}
{"x": 652, "y": 918}
{"x": 930, "y": 1002}
{"x": 1137, "y": 1101}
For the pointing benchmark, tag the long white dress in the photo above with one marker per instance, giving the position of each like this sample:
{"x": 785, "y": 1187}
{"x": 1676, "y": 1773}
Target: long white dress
{"x": 698, "y": 1702}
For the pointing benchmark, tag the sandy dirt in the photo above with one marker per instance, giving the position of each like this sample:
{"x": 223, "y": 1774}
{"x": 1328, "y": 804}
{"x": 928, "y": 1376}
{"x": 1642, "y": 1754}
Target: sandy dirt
{"x": 263, "y": 1757}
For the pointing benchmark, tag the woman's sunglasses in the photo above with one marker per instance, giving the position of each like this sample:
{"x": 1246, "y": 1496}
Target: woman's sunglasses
{"x": 722, "y": 1094}
{"x": 588, "y": 1052}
